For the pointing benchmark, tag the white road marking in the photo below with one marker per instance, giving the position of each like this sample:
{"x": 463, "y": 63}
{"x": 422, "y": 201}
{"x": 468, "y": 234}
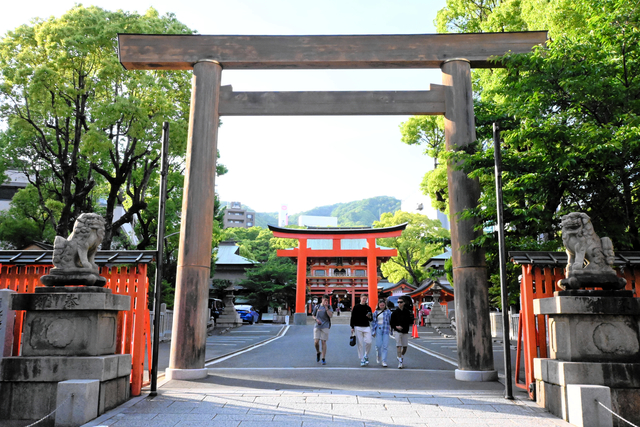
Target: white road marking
{"x": 323, "y": 368}
{"x": 249, "y": 349}
{"x": 434, "y": 354}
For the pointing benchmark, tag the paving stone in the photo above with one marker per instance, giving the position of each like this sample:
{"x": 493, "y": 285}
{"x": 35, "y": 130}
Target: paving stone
{"x": 270, "y": 424}
{"x": 179, "y": 396}
{"x": 128, "y": 422}
{"x": 379, "y": 419}
{"x": 432, "y": 412}
{"x": 333, "y": 424}
{"x": 301, "y": 418}
{"x": 397, "y": 411}
{"x": 243, "y": 417}
{"x": 215, "y": 408}
{"x": 309, "y": 408}
{"x": 349, "y": 408}
{"x": 184, "y": 417}
{"x": 391, "y": 424}
{"x": 135, "y": 416}
{"x": 441, "y": 401}
{"x": 220, "y": 410}
{"x": 514, "y": 409}
{"x": 400, "y": 420}
{"x": 229, "y": 399}
{"x": 276, "y": 411}
{"x": 333, "y": 398}
{"x": 214, "y": 423}
{"x": 484, "y": 400}
{"x": 280, "y": 399}
{"x": 382, "y": 400}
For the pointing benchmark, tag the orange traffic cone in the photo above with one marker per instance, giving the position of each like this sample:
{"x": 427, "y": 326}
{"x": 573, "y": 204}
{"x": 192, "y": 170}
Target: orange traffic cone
{"x": 414, "y": 334}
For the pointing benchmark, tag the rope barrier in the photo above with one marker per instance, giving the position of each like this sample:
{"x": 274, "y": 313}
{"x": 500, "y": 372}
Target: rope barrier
{"x": 54, "y": 411}
{"x": 613, "y": 413}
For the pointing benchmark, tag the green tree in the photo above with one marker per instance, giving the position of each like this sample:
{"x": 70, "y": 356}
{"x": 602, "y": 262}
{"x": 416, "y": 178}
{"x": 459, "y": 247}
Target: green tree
{"x": 80, "y": 126}
{"x": 569, "y": 117}
{"x": 271, "y": 284}
{"x": 25, "y": 221}
{"x": 421, "y": 239}
{"x": 254, "y": 242}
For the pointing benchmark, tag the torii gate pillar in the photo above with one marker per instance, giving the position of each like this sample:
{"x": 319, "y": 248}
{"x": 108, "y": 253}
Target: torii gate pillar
{"x": 475, "y": 352}
{"x": 189, "y": 333}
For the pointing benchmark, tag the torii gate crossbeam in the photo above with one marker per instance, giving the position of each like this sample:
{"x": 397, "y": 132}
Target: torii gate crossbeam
{"x": 207, "y": 56}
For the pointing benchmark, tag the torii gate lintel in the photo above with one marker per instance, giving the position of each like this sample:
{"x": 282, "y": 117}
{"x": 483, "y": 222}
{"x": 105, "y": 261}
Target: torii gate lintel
{"x": 455, "y": 54}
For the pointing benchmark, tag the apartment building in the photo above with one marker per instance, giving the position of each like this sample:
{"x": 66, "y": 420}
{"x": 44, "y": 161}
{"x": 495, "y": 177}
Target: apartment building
{"x": 236, "y": 216}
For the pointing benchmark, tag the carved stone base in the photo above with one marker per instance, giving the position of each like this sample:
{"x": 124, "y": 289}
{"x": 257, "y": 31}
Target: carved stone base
{"x": 71, "y": 323}
{"x": 592, "y": 329}
{"x": 607, "y": 280}
{"x": 28, "y": 385}
{"x": 553, "y": 376}
{"x": 593, "y": 341}
{"x": 78, "y": 277}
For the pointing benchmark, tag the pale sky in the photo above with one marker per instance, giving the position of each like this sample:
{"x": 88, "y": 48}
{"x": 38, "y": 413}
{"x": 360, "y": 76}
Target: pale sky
{"x": 303, "y": 162}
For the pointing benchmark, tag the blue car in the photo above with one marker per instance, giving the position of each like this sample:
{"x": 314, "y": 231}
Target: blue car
{"x": 247, "y": 313}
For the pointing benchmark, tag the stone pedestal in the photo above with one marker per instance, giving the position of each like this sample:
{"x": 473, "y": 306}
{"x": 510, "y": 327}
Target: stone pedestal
{"x": 437, "y": 317}
{"x": 70, "y": 323}
{"x": 69, "y": 334}
{"x": 299, "y": 318}
{"x": 229, "y": 318}
{"x": 592, "y": 341}
{"x": 6, "y": 323}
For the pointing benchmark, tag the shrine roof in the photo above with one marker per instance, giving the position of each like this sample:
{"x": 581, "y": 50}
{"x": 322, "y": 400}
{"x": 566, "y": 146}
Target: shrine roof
{"x": 560, "y": 259}
{"x": 428, "y": 284}
{"x": 102, "y": 258}
{"x": 227, "y": 253}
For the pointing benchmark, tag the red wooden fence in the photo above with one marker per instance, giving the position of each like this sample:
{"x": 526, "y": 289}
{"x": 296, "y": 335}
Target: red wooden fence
{"x": 134, "y": 335}
{"x": 541, "y": 282}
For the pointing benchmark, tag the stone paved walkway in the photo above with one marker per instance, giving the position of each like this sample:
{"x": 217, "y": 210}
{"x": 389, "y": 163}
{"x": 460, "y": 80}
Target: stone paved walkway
{"x": 178, "y": 404}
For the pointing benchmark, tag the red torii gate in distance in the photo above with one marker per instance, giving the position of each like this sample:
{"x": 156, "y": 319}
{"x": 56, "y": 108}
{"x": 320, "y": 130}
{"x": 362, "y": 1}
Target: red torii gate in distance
{"x": 207, "y": 56}
{"x": 302, "y": 253}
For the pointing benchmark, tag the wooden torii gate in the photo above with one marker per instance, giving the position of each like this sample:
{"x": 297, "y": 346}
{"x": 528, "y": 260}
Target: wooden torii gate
{"x": 207, "y": 56}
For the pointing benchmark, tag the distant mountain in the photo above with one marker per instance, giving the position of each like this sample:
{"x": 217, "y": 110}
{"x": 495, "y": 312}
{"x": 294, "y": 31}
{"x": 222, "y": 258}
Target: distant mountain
{"x": 361, "y": 212}
{"x": 263, "y": 219}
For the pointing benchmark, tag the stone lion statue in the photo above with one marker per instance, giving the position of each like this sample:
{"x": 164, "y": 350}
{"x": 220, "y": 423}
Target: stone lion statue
{"x": 77, "y": 253}
{"x": 590, "y": 257}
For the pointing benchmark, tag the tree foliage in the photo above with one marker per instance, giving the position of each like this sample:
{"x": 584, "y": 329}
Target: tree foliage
{"x": 85, "y": 131}
{"x": 271, "y": 284}
{"x": 422, "y": 239}
{"x": 569, "y": 117}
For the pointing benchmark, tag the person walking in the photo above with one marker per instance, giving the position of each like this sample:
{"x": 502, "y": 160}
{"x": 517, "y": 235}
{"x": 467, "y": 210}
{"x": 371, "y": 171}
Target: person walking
{"x": 361, "y": 317}
{"x": 322, "y": 315}
{"x": 401, "y": 321}
{"x": 381, "y": 329}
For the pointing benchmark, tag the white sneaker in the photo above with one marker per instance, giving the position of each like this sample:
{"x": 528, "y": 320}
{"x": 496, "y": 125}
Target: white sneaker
{"x": 384, "y": 364}
{"x": 377, "y": 359}
{"x": 400, "y": 366}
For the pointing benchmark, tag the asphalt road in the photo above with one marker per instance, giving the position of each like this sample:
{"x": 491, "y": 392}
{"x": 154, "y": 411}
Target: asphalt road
{"x": 284, "y": 357}
{"x": 288, "y": 361}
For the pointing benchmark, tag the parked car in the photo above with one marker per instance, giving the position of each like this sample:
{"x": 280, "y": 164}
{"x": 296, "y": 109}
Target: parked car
{"x": 247, "y": 313}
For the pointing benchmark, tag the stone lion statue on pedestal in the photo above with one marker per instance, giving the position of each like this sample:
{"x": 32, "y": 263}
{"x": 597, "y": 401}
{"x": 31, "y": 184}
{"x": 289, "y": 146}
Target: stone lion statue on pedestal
{"x": 590, "y": 257}
{"x": 74, "y": 257}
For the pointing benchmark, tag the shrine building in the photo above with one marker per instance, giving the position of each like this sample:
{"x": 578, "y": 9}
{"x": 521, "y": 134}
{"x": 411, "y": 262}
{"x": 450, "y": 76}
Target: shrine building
{"x": 337, "y": 261}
